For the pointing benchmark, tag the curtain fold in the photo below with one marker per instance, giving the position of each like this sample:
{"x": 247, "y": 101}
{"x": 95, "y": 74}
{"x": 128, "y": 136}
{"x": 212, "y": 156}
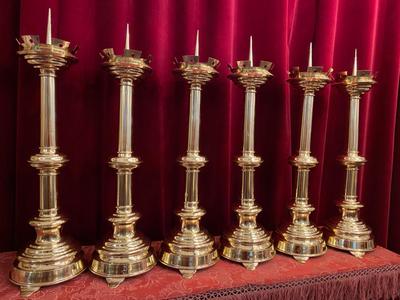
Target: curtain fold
{"x": 88, "y": 101}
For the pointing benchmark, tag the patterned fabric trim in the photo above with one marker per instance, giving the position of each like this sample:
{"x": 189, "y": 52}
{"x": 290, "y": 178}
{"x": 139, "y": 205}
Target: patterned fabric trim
{"x": 261, "y": 291}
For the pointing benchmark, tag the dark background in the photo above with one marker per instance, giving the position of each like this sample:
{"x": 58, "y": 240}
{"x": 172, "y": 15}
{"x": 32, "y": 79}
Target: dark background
{"x": 88, "y": 100}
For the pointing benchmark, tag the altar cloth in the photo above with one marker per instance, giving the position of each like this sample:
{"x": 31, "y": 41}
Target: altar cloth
{"x": 336, "y": 275}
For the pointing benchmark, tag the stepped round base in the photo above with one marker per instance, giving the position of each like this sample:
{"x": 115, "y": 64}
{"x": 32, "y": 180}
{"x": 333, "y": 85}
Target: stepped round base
{"x": 249, "y": 252}
{"x": 188, "y": 258}
{"x": 40, "y": 273}
{"x": 301, "y": 243}
{"x": 116, "y": 269}
{"x": 358, "y": 240}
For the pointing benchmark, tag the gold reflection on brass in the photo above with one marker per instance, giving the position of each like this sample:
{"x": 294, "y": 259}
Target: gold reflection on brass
{"x": 125, "y": 254}
{"x": 249, "y": 244}
{"x": 301, "y": 239}
{"x": 50, "y": 259}
{"x": 192, "y": 248}
{"x": 350, "y": 233}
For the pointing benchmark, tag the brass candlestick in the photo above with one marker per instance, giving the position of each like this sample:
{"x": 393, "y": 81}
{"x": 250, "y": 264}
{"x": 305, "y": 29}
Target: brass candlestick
{"x": 49, "y": 259}
{"x": 249, "y": 244}
{"x": 125, "y": 254}
{"x": 350, "y": 233}
{"x": 192, "y": 248}
{"x": 301, "y": 239}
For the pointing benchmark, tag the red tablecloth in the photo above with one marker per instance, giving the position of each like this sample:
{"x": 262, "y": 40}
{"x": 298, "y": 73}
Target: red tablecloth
{"x": 336, "y": 275}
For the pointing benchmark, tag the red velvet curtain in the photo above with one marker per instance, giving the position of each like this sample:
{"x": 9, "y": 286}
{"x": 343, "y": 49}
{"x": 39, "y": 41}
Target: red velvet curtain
{"x": 88, "y": 100}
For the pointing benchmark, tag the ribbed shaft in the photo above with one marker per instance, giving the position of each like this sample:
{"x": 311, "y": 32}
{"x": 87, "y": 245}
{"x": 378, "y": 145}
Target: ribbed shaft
{"x": 124, "y": 174}
{"x": 125, "y": 118}
{"x": 192, "y": 170}
{"x": 47, "y": 111}
{"x": 194, "y": 119}
{"x": 247, "y": 196}
{"x": 352, "y": 150}
{"x": 306, "y": 122}
{"x": 48, "y": 176}
{"x": 353, "y": 125}
{"x": 303, "y": 171}
{"x": 249, "y": 119}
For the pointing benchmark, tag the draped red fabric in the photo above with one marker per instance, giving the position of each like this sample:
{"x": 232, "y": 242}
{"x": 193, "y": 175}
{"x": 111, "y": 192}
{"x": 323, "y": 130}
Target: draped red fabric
{"x": 88, "y": 100}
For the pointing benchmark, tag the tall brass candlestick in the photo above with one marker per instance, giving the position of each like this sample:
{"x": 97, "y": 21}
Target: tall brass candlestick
{"x": 192, "y": 248}
{"x": 125, "y": 254}
{"x": 350, "y": 233}
{"x": 301, "y": 239}
{"x": 249, "y": 244}
{"x": 49, "y": 259}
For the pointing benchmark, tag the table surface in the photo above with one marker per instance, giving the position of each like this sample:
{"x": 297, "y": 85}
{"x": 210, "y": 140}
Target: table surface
{"x": 162, "y": 282}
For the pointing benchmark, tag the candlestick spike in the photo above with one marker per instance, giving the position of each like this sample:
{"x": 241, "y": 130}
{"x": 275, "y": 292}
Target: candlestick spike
{"x": 196, "y": 50}
{"x": 251, "y": 51}
{"x": 300, "y": 238}
{"x": 48, "y": 33}
{"x": 125, "y": 254}
{"x": 249, "y": 244}
{"x": 192, "y": 248}
{"x": 355, "y": 63}
{"x": 310, "y": 54}
{"x": 350, "y": 233}
{"x": 50, "y": 259}
{"x": 127, "y": 37}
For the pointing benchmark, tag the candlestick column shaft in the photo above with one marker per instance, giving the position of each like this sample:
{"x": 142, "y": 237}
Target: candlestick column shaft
{"x": 306, "y": 122}
{"x": 192, "y": 172}
{"x": 247, "y": 196}
{"x": 48, "y": 180}
{"x": 124, "y": 175}
{"x": 353, "y": 125}
{"x": 301, "y": 196}
{"x": 125, "y": 118}
{"x": 47, "y": 111}
{"x": 249, "y": 119}
{"x": 352, "y": 170}
{"x": 194, "y": 119}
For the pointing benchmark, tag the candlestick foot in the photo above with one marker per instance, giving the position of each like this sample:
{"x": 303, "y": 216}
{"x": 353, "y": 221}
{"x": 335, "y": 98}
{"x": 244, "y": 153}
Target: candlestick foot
{"x": 248, "y": 244}
{"x": 48, "y": 260}
{"x": 301, "y": 259}
{"x": 301, "y": 242}
{"x": 352, "y": 236}
{"x": 187, "y": 273}
{"x": 191, "y": 249}
{"x": 114, "y": 282}
{"x": 123, "y": 255}
{"x": 26, "y": 291}
{"x": 250, "y": 266}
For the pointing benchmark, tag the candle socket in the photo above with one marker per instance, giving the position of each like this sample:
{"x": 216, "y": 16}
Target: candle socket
{"x": 50, "y": 259}
{"x": 248, "y": 244}
{"x": 125, "y": 254}
{"x": 349, "y": 233}
{"x": 301, "y": 239}
{"x": 192, "y": 248}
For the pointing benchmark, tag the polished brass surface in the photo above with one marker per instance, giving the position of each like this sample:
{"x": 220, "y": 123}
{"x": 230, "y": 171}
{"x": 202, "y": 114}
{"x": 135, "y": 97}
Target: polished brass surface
{"x": 192, "y": 248}
{"x": 349, "y": 232}
{"x": 50, "y": 259}
{"x": 248, "y": 244}
{"x": 125, "y": 254}
{"x": 301, "y": 239}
